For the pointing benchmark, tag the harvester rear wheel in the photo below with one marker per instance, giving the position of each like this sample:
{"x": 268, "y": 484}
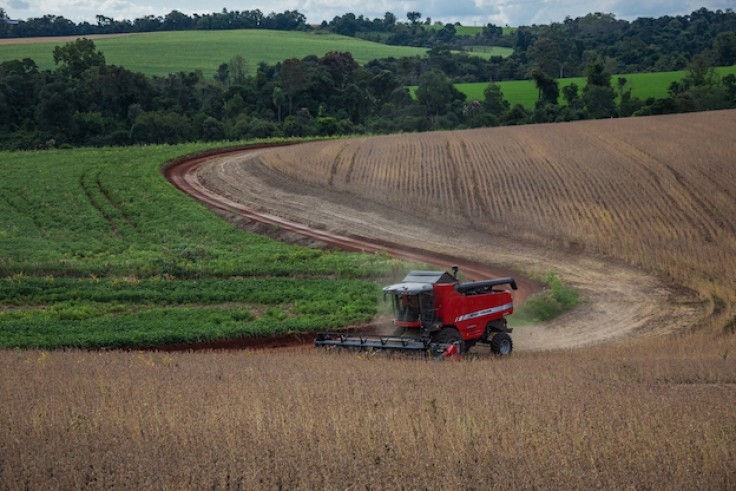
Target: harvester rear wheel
{"x": 449, "y": 335}
{"x": 501, "y": 344}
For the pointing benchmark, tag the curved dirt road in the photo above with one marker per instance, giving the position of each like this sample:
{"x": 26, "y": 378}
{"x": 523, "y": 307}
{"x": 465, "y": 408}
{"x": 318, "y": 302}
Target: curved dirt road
{"x": 617, "y": 301}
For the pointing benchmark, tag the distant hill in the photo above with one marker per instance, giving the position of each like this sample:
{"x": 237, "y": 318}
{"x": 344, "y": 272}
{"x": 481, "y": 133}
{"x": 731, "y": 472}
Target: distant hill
{"x": 161, "y": 53}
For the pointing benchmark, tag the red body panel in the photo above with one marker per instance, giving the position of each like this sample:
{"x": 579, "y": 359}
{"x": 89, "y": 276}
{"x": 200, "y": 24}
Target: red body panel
{"x": 470, "y": 313}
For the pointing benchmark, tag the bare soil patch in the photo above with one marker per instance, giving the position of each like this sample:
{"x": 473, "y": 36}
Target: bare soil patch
{"x": 60, "y": 39}
{"x": 619, "y": 301}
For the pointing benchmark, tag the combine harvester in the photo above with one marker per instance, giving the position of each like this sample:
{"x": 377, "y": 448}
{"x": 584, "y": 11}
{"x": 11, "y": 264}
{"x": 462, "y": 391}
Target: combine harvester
{"x": 436, "y": 314}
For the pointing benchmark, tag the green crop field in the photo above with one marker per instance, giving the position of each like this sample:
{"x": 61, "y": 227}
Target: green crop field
{"x": 98, "y": 249}
{"x": 643, "y": 85}
{"x": 162, "y": 53}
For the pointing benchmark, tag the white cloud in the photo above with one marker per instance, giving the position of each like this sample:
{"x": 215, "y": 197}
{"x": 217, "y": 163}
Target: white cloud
{"x": 467, "y": 12}
{"x": 17, "y": 4}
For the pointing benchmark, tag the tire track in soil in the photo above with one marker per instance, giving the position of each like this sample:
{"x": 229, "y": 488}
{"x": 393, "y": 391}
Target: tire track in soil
{"x": 86, "y": 189}
{"x": 617, "y": 301}
{"x": 182, "y": 173}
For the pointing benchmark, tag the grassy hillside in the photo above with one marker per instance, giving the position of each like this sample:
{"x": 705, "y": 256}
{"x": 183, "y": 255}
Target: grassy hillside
{"x": 161, "y": 53}
{"x": 487, "y": 52}
{"x": 98, "y": 249}
{"x": 643, "y": 85}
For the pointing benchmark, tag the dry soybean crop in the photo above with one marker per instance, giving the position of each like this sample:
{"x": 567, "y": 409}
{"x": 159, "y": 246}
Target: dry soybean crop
{"x": 599, "y": 418}
{"x": 658, "y": 193}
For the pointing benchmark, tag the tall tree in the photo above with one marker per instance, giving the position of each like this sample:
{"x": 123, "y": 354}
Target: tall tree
{"x": 596, "y": 73}
{"x": 383, "y": 84}
{"x": 19, "y": 83}
{"x": 546, "y": 53}
{"x": 340, "y": 66}
{"x": 700, "y": 70}
{"x": 548, "y": 88}
{"x": 55, "y": 109}
{"x": 77, "y": 56}
{"x": 724, "y": 48}
{"x": 598, "y": 95}
{"x": 437, "y": 93}
{"x": 413, "y": 17}
{"x": 237, "y": 71}
{"x": 292, "y": 79}
{"x": 493, "y": 101}
{"x": 177, "y": 21}
{"x": 277, "y": 98}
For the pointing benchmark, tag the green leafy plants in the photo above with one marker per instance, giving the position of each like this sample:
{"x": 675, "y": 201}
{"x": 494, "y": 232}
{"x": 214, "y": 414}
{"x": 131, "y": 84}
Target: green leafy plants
{"x": 550, "y": 303}
{"x": 98, "y": 249}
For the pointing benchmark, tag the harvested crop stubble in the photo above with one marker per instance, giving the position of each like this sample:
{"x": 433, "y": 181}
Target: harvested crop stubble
{"x": 656, "y": 192}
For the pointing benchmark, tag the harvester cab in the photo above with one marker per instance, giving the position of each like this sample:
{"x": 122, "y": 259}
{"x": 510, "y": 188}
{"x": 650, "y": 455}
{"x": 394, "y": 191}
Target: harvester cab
{"x": 435, "y": 313}
{"x": 413, "y": 299}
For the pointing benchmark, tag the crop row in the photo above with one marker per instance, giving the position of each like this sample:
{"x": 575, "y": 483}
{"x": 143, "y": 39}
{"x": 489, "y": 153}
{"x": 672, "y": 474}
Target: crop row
{"x": 22, "y": 291}
{"x": 110, "y": 212}
{"x": 657, "y": 192}
{"x": 88, "y": 324}
{"x": 98, "y": 249}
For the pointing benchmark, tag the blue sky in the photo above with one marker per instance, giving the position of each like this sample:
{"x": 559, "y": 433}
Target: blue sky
{"x": 467, "y": 12}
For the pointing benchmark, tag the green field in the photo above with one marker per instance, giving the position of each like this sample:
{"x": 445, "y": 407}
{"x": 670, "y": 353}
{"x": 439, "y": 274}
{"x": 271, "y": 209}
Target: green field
{"x": 489, "y": 51}
{"x": 98, "y": 249}
{"x": 162, "y": 53}
{"x": 643, "y": 85}
{"x": 472, "y": 30}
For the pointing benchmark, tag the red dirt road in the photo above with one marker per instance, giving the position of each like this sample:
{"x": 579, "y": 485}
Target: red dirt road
{"x": 183, "y": 174}
{"x": 617, "y": 301}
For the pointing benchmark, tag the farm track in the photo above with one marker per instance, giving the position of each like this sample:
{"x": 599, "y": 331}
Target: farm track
{"x": 184, "y": 175}
{"x": 512, "y": 203}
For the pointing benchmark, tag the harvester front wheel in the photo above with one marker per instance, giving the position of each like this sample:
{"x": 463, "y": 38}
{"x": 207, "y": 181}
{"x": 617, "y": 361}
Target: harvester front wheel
{"x": 450, "y": 335}
{"x": 501, "y": 344}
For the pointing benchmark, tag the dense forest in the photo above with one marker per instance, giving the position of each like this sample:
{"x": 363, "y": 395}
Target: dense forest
{"x": 85, "y": 101}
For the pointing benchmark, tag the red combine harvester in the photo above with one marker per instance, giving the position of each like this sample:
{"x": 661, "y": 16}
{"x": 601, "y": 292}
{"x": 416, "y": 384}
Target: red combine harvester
{"x": 437, "y": 314}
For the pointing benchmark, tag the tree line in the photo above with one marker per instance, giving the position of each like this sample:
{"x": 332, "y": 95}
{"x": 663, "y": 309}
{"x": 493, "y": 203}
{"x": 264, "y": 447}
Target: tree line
{"x": 562, "y": 49}
{"x": 86, "y": 102}
{"x": 56, "y": 25}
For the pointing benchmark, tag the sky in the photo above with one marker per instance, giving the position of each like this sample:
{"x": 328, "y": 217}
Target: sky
{"x": 466, "y": 12}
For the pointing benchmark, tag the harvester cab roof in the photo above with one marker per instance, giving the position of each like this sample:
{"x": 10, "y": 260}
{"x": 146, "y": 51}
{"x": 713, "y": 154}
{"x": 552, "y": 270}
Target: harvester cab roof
{"x": 417, "y": 282}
